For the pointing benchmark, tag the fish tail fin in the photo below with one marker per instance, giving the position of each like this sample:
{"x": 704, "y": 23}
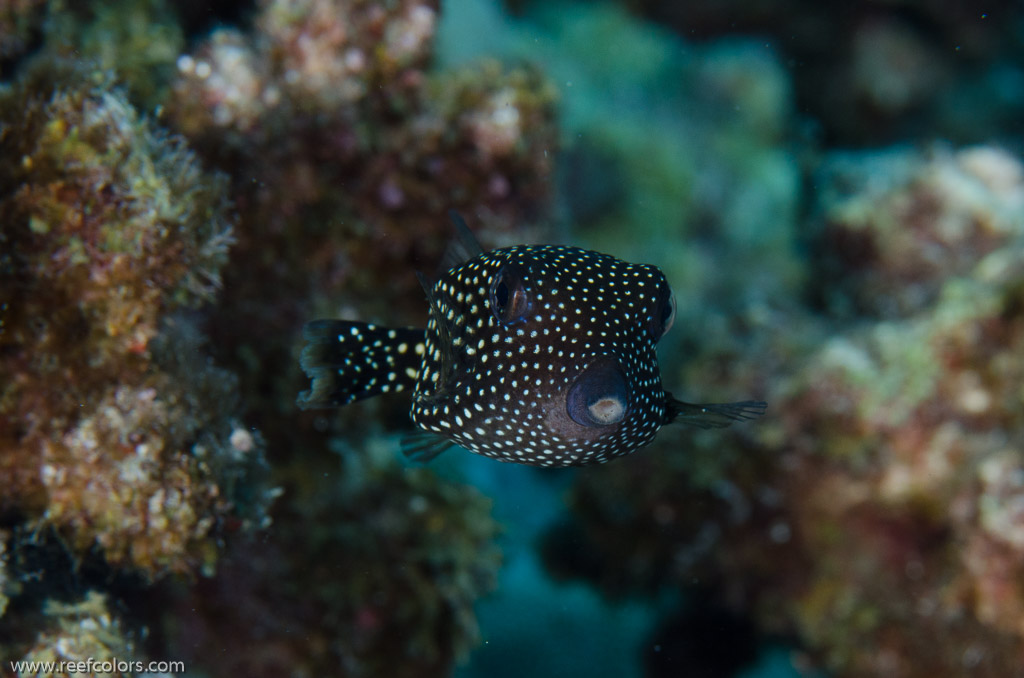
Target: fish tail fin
{"x": 349, "y": 361}
{"x": 712, "y": 415}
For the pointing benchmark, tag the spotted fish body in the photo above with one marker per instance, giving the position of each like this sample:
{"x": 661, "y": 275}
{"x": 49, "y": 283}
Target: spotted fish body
{"x": 541, "y": 355}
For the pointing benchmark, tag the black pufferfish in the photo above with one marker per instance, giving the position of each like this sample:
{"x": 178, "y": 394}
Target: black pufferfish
{"x": 533, "y": 354}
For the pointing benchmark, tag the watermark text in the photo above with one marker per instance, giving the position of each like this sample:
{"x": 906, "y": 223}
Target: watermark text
{"x": 92, "y": 666}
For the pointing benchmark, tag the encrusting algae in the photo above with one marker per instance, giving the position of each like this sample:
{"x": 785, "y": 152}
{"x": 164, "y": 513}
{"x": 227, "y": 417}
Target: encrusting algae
{"x": 108, "y": 227}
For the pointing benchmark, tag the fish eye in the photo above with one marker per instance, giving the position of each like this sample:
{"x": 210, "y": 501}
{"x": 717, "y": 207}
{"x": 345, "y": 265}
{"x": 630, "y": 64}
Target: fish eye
{"x": 600, "y": 395}
{"x": 509, "y": 301}
{"x": 501, "y": 294}
{"x": 664, "y": 314}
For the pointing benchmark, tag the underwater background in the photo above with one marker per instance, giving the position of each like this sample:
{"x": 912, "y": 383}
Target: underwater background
{"x": 835, "y": 191}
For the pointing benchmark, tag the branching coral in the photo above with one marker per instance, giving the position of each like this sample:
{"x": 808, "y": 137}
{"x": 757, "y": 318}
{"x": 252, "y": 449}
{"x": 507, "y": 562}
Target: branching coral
{"x": 108, "y": 225}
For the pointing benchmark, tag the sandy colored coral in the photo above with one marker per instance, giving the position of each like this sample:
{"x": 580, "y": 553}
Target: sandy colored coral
{"x": 113, "y": 428}
{"x": 225, "y": 86}
{"x": 329, "y": 53}
{"x": 146, "y": 472}
{"x": 313, "y": 57}
{"x": 892, "y": 233}
{"x": 84, "y": 631}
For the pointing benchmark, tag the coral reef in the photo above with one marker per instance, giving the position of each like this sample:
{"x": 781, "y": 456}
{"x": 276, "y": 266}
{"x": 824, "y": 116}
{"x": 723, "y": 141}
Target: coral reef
{"x": 915, "y": 473}
{"x": 150, "y": 472}
{"x": 879, "y": 508}
{"x": 87, "y": 636}
{"x": 894, "y": 229}
{"x": 114, "y": 428}
{"x": 336, "y": 94}
{"x": 103, "y": 209}
{"x": 381, "y": 580}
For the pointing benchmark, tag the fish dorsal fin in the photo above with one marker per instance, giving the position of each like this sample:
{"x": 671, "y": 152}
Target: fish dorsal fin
{"x": 463, "y": 247}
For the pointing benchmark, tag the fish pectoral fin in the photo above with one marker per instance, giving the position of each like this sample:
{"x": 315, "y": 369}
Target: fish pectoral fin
{"x": 445, "y": 342}
{"x": 428, "y": 288}
{"x": 423, "y": 447}
{"x": 349, "y": 361}
{"x": 713, "y": 415}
